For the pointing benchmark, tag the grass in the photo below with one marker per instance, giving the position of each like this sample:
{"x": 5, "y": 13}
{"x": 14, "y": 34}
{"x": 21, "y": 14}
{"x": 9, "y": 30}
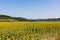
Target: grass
{"x": 30, "y": 30}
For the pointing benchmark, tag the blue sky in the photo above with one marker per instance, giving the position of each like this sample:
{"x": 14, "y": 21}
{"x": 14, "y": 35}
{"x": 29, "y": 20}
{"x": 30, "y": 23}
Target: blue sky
{"x": 31, "y": 8}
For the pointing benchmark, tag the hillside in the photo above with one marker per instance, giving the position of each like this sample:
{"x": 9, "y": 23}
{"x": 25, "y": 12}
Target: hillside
{"x": 5, "y": 18}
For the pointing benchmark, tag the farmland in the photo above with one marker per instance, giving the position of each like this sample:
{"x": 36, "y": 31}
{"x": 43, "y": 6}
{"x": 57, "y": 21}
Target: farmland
{"x": 30, "y": 30}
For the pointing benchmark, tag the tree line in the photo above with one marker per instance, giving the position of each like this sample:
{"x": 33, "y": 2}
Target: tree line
{"x": 25, "y": 19}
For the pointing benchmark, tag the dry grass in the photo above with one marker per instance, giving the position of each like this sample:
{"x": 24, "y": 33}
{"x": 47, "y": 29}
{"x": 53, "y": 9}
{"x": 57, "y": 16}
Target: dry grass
{"x": 29, "y": 30}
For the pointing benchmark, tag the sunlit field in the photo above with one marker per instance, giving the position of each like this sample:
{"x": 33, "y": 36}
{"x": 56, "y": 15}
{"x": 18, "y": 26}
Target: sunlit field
{"x": 30, "y": 30}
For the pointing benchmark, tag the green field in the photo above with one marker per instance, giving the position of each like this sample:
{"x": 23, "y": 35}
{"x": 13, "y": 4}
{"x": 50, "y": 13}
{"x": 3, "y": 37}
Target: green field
{"x": 30, "y": 30}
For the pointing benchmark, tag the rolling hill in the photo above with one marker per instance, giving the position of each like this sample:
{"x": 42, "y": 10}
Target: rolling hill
{"x": 6, "y": 18}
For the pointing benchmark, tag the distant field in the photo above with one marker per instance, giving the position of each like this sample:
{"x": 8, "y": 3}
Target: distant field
{"x": 30, "y": 30}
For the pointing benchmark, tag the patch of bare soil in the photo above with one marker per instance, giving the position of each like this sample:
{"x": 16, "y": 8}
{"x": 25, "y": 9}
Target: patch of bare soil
{"x": 51, "y": 37}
